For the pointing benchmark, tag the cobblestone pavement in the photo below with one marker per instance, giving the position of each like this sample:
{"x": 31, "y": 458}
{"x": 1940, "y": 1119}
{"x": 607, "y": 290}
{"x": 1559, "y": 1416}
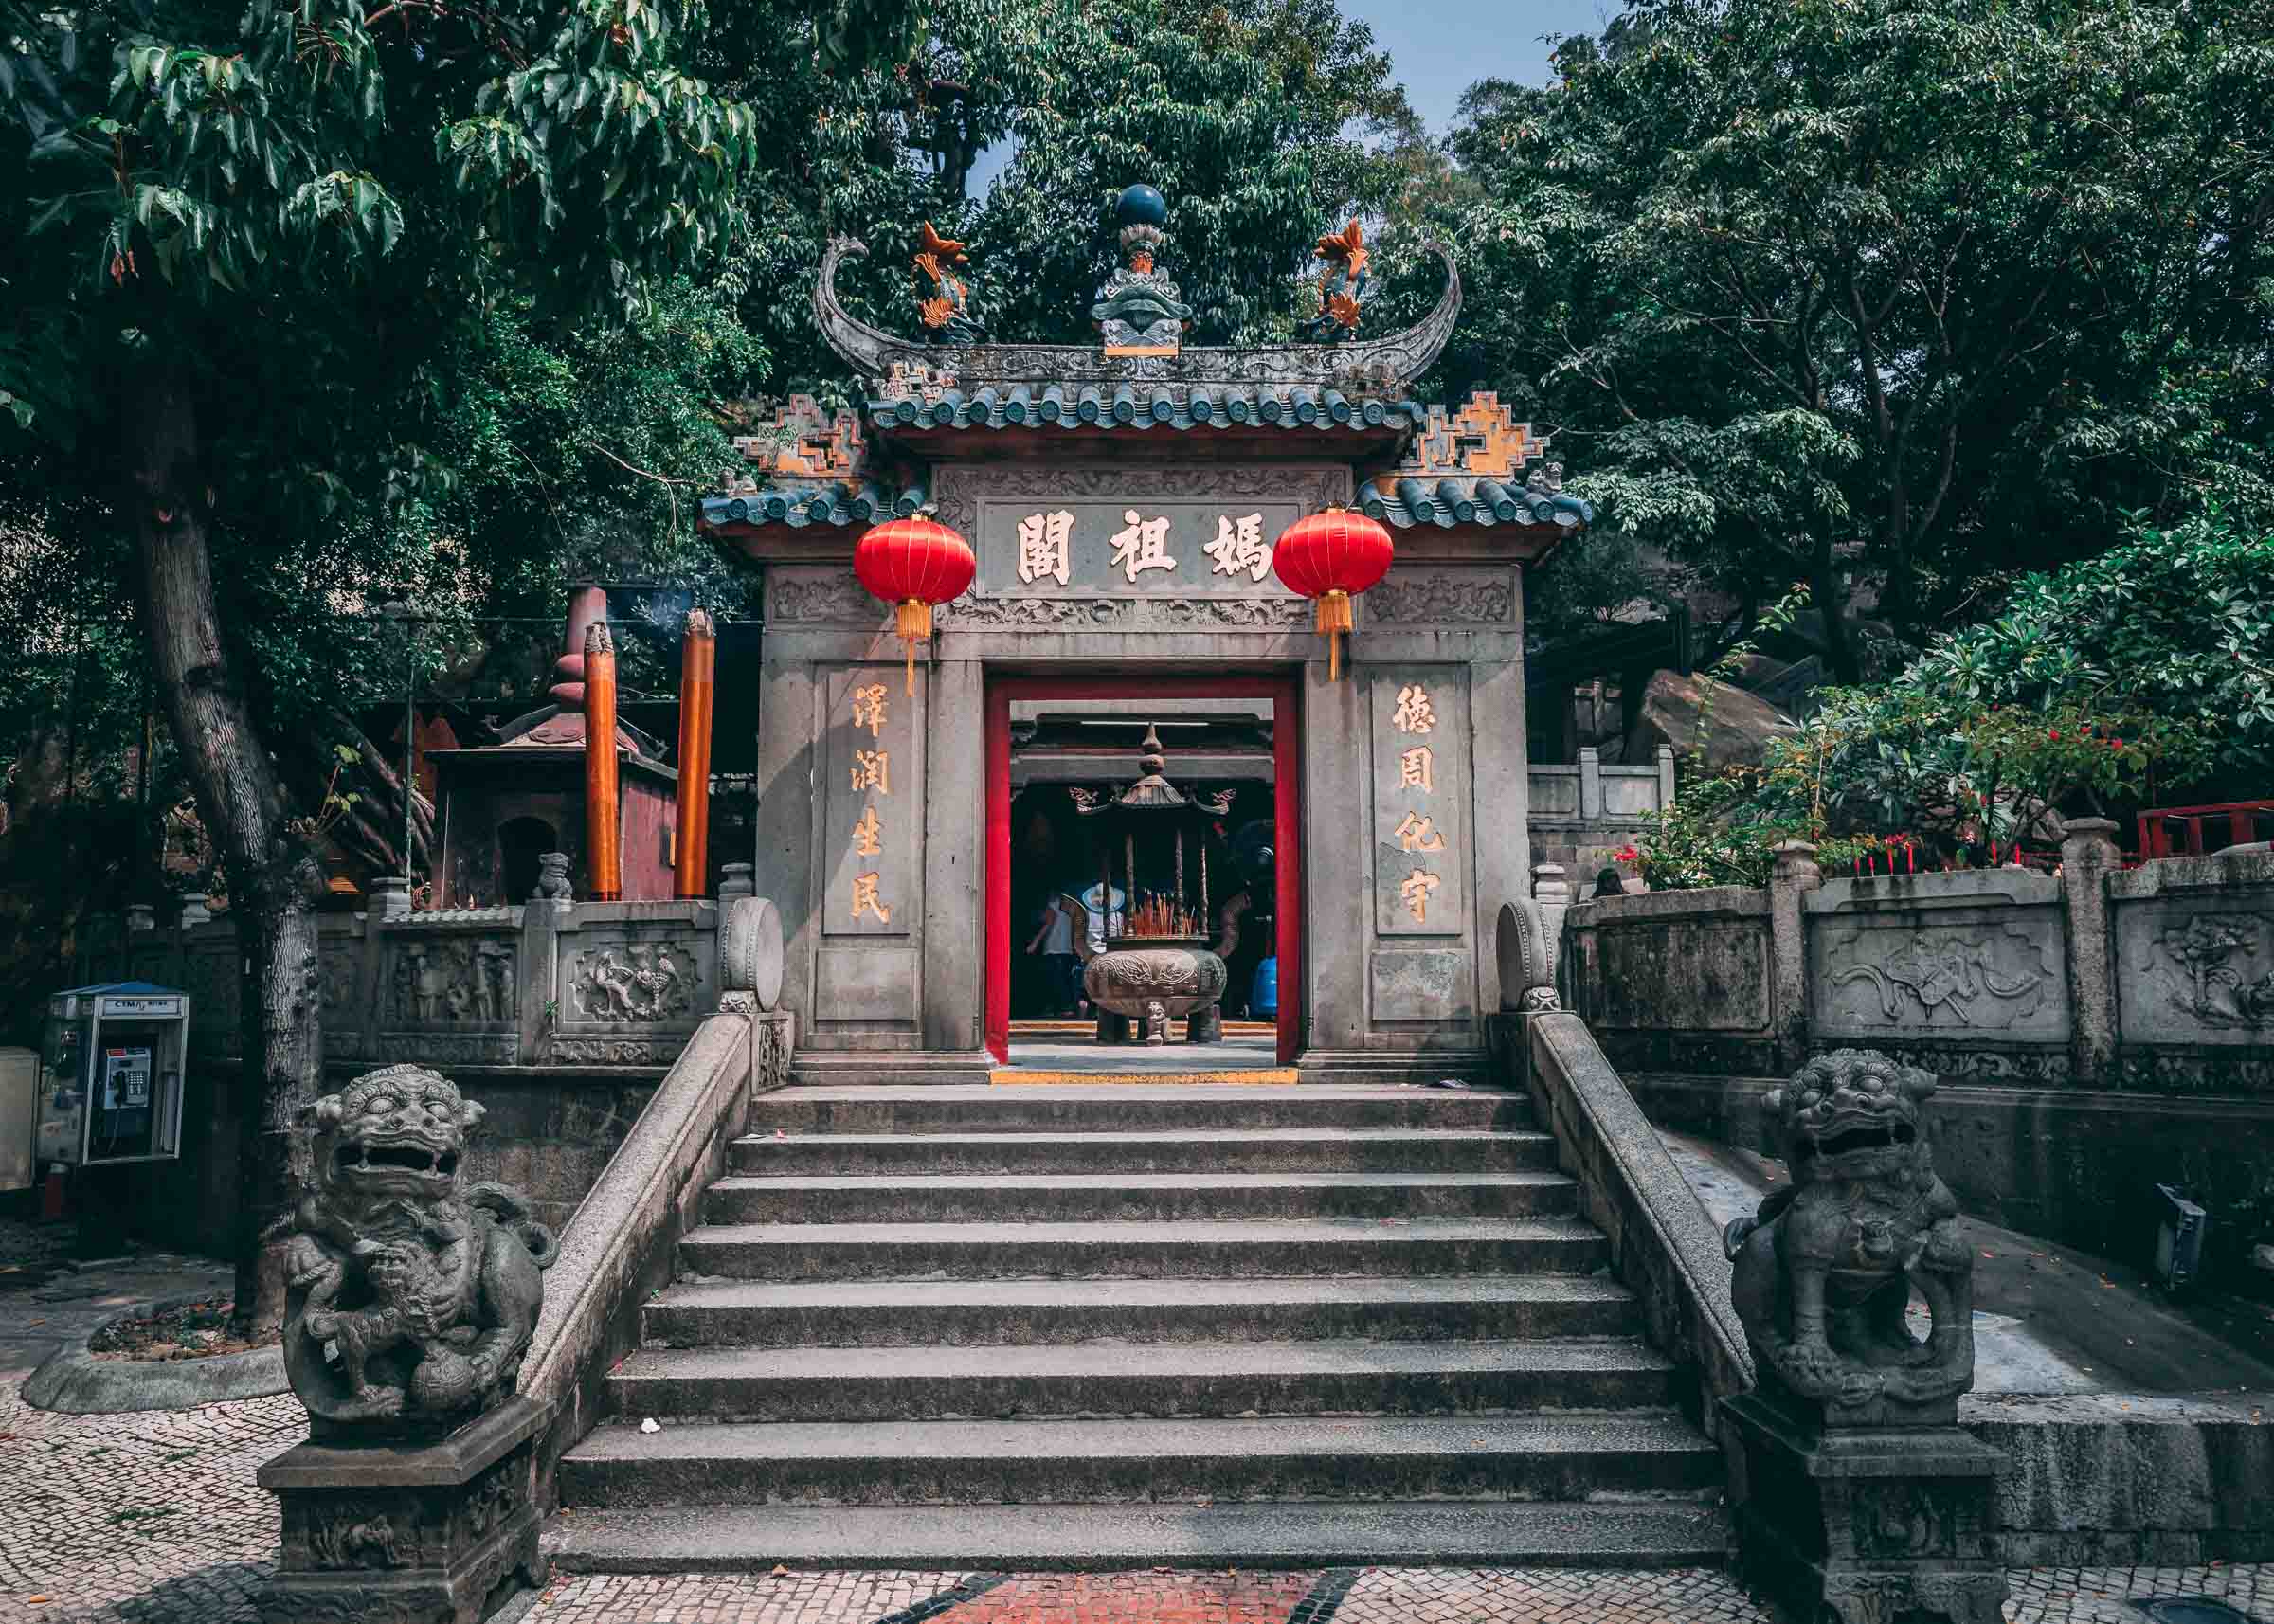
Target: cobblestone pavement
{"x": 139, "y": 1517}
{"x": 1334, "y": 1596}
{"x": 155, "y": 1519}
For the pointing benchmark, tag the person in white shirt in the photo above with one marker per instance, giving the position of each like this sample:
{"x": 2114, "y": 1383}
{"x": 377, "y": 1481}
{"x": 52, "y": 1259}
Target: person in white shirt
{"x": 1062, "y": 969}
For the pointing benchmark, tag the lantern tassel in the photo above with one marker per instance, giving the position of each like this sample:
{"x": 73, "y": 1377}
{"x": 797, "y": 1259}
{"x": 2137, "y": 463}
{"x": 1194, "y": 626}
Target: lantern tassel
{"x": 1334, "y": 619}
{"x": 912, "y": 621}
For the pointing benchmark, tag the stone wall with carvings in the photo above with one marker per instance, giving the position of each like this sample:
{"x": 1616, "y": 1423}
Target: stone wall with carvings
{"x": 559, "y": 1018}
{"x": 2194, "y": 945}
{"x": 2098, "y": 1033}
{"x": 1963, "y": 973}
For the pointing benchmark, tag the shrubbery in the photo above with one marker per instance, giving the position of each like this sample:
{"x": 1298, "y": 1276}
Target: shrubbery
{"x": 2144, "y": 675}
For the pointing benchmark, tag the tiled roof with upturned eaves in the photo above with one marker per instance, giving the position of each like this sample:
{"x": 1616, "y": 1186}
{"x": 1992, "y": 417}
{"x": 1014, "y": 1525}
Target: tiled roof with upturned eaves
{"x": 797, "y": 506}
{"x": 1449, "y": 501}
{"x": 1143, "y": 406}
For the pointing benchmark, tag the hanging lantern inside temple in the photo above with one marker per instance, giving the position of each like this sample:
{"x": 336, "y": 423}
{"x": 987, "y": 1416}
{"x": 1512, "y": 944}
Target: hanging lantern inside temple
{"x": 1331, "y": 556}
{"x": 912, "y": 564}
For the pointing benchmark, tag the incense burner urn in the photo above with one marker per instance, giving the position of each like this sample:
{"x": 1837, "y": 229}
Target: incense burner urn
{"x": 1140, "y": 983}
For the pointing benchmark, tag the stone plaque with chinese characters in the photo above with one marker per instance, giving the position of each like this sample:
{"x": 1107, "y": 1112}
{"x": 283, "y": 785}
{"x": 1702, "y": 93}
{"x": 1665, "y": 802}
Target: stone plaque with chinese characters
{"x": 1420, "y": 743}
{"x": 876, "y": 803}
{"x": 1149, "y": 532}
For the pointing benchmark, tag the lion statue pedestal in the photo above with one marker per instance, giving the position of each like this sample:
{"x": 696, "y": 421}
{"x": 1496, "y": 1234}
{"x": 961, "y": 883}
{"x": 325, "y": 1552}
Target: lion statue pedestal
{"x": 410, "y": 1299}
{"x": 1859, "y": 1498}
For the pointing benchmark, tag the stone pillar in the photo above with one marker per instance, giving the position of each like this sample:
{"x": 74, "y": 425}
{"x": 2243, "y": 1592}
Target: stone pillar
{"x": 427, "y": 1532}
{"x": 1666, "y": 775}
{"x": 1864, "y": 1525}
{"x": 390, "y": 899}
{"x": 2089, "y": 855}
{"x": 1591, "y": 782}
{"x": 140, "y": 918}
{"x": 195, "y": 913}
{"x": 537, "y": 964}
{"x": 1549, "y": 887}
{"x": 1794, "y": 875}
{"x": 736, "y": 879}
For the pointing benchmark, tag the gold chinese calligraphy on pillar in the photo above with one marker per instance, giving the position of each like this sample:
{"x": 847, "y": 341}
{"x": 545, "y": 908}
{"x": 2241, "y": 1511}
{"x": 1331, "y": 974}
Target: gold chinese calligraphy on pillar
{"x": 875, "y": 805}
{"x": 1420, "y": 748}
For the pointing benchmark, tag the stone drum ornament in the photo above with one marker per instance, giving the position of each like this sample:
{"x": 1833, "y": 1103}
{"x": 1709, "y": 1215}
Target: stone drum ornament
{"x": 1859, "y": 1498}
{"x": 409, "y": 1297}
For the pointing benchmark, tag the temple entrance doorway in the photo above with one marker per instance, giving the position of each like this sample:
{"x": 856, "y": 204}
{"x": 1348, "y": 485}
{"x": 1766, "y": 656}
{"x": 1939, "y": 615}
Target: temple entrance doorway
{"x": 1144, "y": 830}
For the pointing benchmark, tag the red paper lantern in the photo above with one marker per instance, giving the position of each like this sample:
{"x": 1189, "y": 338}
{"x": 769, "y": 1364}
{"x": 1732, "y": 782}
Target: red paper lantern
{"x": 912, "y": 564}
{"x": 1329, "y": 556}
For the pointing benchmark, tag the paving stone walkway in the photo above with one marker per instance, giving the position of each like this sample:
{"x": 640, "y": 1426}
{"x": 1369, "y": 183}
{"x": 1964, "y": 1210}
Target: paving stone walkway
{"x": 155, "y": 1519}
{"x": 1332, "y": 1596}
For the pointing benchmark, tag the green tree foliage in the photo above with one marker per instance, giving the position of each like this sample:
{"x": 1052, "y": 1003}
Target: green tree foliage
{"x": 1246, "y": 115}
{"x": 1899, "y": 300}
{"x": 251, "y": 244}
{"x": 2139, "y": 678}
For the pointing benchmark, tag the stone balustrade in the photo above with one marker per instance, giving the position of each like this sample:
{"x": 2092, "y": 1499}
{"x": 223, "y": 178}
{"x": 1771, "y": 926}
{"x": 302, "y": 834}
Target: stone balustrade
{"x": 2099, "y": 1031}
{"x": 617, "y": 984}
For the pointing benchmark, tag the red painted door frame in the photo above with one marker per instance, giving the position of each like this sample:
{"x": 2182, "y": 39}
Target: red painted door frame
{"x": 1282, "y": 690}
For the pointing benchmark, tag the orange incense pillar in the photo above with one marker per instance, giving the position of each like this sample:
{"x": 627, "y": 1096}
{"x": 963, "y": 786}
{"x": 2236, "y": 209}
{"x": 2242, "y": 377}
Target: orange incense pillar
{"x": 698, "y": 666}
{"x": 603, "y": 834}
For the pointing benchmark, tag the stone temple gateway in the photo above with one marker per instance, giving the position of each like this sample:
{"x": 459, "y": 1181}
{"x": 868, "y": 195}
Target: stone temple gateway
{"x": 1122, "y": 500}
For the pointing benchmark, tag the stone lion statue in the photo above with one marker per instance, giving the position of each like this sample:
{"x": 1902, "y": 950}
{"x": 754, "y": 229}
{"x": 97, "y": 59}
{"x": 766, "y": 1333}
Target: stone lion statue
{"x": 410, "y": 1299}
{"x": 1825, "y": 1271}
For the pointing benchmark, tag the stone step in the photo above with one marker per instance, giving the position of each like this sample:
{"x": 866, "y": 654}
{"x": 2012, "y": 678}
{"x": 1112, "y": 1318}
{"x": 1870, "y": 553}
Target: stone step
{"x": 1158, "y": 1198}
{"x": 1221, "y": 1150}
{"x": 1321, "y": 1377}
{"x": 1214, "y": 1248}
{"x": 880, "y": 1463}
{"x": 902, "y": 1313}
{"x": 1077, "y": 1108}
{"x": 1599, "y": 1533}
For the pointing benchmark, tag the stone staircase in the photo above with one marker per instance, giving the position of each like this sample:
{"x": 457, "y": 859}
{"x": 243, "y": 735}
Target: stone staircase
{"x": 1121, "y": 1324}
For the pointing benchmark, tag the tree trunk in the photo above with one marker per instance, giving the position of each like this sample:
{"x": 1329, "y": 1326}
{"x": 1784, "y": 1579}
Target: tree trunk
{"x": 273, "y": 880}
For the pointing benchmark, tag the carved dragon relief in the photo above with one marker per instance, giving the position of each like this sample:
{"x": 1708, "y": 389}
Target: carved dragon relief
{"x": 1957, "y": 977}
{"x": 1374, "y": 364}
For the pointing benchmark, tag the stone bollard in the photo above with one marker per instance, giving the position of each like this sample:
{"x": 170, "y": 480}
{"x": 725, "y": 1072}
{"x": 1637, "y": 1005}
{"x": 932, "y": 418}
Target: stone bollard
{"x": 2089, "y": 856}
{"x": 1859, "y": 1498}
{"x": 390, "y": 898}
{"x": 1793, "y": 877}
{"x": 412, "y": 1299}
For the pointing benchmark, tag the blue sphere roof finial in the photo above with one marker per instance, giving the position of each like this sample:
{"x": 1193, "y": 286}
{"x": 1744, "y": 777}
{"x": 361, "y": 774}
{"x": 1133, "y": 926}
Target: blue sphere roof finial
{"x": 1140, "y": 204}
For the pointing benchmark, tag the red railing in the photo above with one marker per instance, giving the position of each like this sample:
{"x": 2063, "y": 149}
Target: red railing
{"x": 2158, "y": 827}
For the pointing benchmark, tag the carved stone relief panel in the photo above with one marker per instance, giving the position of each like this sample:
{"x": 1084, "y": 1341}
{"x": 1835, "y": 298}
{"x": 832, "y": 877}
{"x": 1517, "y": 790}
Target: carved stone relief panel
{"x": 451, "y": 980}
{"x": 2192, "y": 975}
{"x": 2002, "y": 975}
{"x": 638, "y": 982}
{"x": 1442, "y": 595}
{"x": 821, "y": 595}
{"x": 339, "y": 982}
